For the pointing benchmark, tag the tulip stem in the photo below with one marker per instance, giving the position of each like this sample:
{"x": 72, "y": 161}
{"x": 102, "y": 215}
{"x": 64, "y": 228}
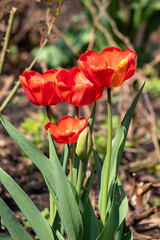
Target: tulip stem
{"x": 51, "y": 202}
{"x": 79, "y": 181}
{"x": 74, "y": 144}
{"x": 50, "y": 114}
{"x": 70, "y": 163}
{"x": 107, "y": 160}
{"x": 76, "y": 112}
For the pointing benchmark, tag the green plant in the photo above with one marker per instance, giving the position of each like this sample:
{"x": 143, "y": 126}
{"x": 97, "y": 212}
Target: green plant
{"x": 36, "y": 131}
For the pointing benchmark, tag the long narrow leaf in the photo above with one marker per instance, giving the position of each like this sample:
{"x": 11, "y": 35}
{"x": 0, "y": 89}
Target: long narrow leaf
{"x": 90, "y": 223}
{"x": 59, "y": 236}
{"x": 65, "y": 158}
{"x": 120, "y": 138}
{"x": 14, "y": 227}
{"x": 118, "y": 144}
{"x": 92, "y": 117}
{"x": 30, "y": 211}
{"x": 4, "y": 237}
{"x": 39, "y": 159}
{"x": 128, "y": 236}
{"x": 70, "y": 214}
{"x": 98, "y": 164}
{"x": 86, "y": 190}
{"x": 116, "y": 217}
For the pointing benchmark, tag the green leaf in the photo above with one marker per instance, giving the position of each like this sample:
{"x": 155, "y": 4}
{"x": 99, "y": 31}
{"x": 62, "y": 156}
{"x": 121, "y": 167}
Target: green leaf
{"x": 69, "y": 211}
{"x": 128, "y": 236}
{"x": 118, "y": 144}
{"x": 119, "y": 140}
{"x": 30, "y": 211}
{"x": 90, "y": 224}
{"x": 99, "y": 164}
{"x": 92, "y": 117}
{"x": 87, "y": 188}
{"x": 65, "y": 158}
{"x": 4, "y": 237}
{"x": 59, "y": 236}
{"x": 39, "y": 159}
{"x": 116, "y": 216}
{"x": 14, "y": 227}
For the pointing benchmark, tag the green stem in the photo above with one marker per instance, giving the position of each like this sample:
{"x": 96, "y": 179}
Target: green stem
{"x": 79, "y": 181}
{"x": 74, "y": 144}
{"x": 7, "y": 37}
{"x": 70, "y": 164}
{"x": 107, "y": 160}
{"x": 9, "y": 97}
{"x": 76, "y": 112}
{"x": 51, "y": 202}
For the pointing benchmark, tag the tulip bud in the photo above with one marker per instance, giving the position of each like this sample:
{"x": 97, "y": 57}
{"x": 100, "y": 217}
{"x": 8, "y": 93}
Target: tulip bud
{"x": 84, "y": 144}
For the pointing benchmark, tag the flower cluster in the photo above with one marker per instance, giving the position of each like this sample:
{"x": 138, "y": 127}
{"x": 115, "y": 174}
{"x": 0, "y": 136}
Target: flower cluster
{"x": 78, "y": 86}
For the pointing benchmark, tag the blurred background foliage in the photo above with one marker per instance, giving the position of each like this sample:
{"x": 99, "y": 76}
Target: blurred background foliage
{"x": 136, "y": 19}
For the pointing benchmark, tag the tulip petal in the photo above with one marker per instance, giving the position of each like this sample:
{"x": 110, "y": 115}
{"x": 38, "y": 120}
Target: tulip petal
{"x": 127, "y": 54}
{"x": 110, "y": 54}
{"x": 120, "y": 65}
{"x": 49, "y": 92}
{"x": 67, "y": 130}
{"x": 119, "y": 74}
{"x": 39, "y": 88}
{"x": 76, "y": 89}
{"x": 24, "y": 82}
{"x": 65, "y": 124}
{"x": 94, "y": 68}
{"x": 131, "y": 68}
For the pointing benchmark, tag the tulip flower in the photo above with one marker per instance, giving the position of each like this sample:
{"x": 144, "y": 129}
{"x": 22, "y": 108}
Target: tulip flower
{"x": 110, "y": 68}
{"x": 40, "y": 89}
{"x": 67, "y": 130}
{"x": 74, "y": 88}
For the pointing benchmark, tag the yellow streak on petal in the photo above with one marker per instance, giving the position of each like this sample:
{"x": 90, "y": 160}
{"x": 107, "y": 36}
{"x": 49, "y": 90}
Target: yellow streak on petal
{"x": 119, "y": 73}
{"x": 98, "y": 68}
{"x": 67, "y": 131}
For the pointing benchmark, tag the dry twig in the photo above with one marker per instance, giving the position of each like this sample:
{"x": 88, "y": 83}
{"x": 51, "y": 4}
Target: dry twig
{"x": 17, "y": 85}
{"x": 7, "y": 37}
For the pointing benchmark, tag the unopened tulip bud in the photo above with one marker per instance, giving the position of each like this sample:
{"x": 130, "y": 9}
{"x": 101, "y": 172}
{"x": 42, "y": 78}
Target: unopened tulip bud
{"x": 84, "y": 144}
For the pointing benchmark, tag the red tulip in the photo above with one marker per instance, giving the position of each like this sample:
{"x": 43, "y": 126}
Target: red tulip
{"x": 40, "y": 89}
{"x": 75, "y": 88}
{"x": 110, "y": 68}
{"x": 67, "y": 130}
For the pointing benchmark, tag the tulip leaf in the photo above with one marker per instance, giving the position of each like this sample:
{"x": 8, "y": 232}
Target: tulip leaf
{"x": 119, "y": 140}
{"x": 87, "y": 188}
{"x": 128, "y": 236}
{"x": 30, "y": 211}
{"x": 69, "y": 211}
{"x": 90, "y": 223}
{"x": 118, "y": 144}
{"x": 59, "y": 236}
{"x": 98, "y": 164}
{"x": 4, "y": 237}
{"x": 65, "y": 158}
{"x": 10, "y": 221}
{"x": 92, "y": 117}
{"x": 39, "y": 159}
{"x": 116, "y": 216}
